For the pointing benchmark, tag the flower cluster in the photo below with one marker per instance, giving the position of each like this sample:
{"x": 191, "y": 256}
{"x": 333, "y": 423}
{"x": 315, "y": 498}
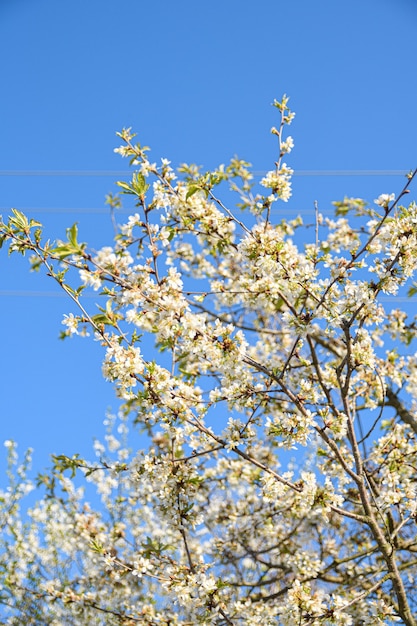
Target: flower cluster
{"x": 274, "y": 478}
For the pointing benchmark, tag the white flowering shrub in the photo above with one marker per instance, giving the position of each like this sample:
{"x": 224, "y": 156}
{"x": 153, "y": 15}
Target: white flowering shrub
{"x": 277, "y": 399}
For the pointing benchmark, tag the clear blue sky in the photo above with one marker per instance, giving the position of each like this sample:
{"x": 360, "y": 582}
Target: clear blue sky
{"x": 196, "y": 80}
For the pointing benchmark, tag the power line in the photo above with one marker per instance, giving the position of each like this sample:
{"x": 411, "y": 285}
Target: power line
{"x": 113, "y": 173}
{"x": 346, "y": 173}
{"x": 33, "y": 211}
{"x": 61, "y": 294}
{"x": 120, "y": 173}
{"x": 46, "y": 173}
{"x": 14, "y": 293}
{"x": 95, "y": 211}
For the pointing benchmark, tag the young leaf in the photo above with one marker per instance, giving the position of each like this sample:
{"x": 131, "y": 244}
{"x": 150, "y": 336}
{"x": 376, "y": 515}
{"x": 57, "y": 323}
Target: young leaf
{"x": 126, "y": 188}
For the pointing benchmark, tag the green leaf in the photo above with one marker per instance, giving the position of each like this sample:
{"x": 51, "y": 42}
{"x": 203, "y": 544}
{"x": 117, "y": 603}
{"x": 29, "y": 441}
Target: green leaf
{"x": 35, "y": 264}
{"x": 192, "y": 190}
{"x": 72, "y": 235}
{"x": 70, "y": 290}
{"x": 101, "y": 318}
{"x": 127, "y": 188}
{"x": 63, "y": 462}
{"x": 19, "y": 220}
{"x": 350, "y": 204}
{"x": 139, "y": 184}
{"x": 37, "y": 235}
{"x": 62, "y": 252}
{"x": 65, "y": 249}
{"x": 412, "y": 291}
{"x": 97, "y": 547}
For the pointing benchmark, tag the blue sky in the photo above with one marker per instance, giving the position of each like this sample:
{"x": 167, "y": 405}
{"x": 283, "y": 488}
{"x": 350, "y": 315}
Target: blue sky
{"x": 196, "y": 81}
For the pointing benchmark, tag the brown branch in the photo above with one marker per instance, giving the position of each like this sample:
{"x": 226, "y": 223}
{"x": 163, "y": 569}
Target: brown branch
{"x": 393, "y": 400}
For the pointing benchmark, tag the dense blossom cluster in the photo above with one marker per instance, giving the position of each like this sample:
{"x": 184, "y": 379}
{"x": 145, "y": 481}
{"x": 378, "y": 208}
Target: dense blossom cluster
{"x": 276, "y": 483}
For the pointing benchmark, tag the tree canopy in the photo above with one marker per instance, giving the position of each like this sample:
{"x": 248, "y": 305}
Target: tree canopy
{"x": 276, "y": 395}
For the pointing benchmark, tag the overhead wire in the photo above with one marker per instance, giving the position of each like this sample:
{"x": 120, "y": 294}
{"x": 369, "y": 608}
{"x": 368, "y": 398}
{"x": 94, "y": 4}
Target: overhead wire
{"x": 124, "y": 173}
{"x": 15, "y": 293}
{"x": 114, "y": 173}
{"x": 111, "y": 173}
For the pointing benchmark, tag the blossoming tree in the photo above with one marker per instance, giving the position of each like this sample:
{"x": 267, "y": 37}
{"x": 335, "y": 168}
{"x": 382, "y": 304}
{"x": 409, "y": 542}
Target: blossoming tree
{"x": 270, "y": 339}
